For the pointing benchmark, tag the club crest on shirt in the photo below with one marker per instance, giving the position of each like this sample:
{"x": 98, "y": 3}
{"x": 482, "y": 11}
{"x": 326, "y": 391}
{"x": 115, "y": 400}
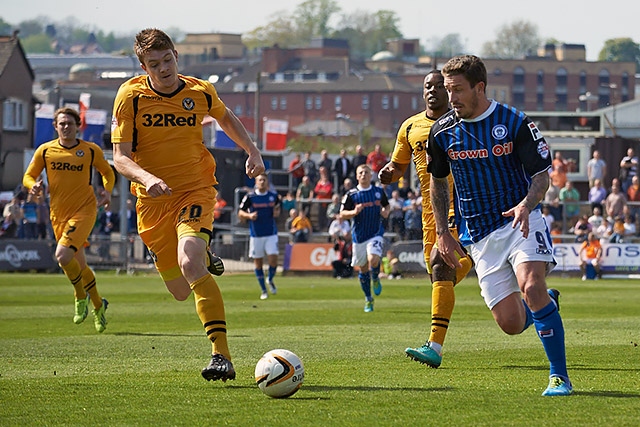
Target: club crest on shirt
{"x": 188, "y": 104}
{"x": 499, "y": 132}
{"x": 79, "y": 153}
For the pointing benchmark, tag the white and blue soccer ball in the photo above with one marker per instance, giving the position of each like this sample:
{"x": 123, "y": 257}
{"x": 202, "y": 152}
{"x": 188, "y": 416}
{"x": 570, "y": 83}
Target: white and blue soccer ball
{"x": 279, "y": 373}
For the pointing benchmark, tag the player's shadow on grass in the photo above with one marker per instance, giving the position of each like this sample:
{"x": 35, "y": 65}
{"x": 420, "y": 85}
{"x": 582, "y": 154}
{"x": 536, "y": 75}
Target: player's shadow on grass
{"x": 572, "y": 368}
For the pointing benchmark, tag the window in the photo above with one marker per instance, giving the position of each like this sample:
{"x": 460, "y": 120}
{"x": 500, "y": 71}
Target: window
{"x": 385, "y": 102}
{"x": 396, "y": 102}
{"x": 518, "y": 76}
{"x": 337, "y": 102}
{"x": 365, "y": 102}
{"x": 414, "y": 103}
{"x": 318, "y": 103}
{"x": 274, "y": 103}
{"x": 561, "y": 79}
{"x": 237, "y": 110}
{"x": 308, "y": 103}
{"x": 283, "y": 102}
{"x": 15, "y": 114}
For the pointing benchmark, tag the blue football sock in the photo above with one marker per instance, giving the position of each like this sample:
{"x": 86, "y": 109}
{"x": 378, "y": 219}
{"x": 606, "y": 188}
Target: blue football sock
{"x": 529, "y": 314}
{"x": 375, "y": 272}
{"x": 365, "y": 284}
{"x": 260, "y": 276}
{"x": 548, "y": 323}
{"x": 272, "y": 273}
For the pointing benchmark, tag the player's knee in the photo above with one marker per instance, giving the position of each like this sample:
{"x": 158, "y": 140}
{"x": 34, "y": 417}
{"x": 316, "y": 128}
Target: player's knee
{"x": 440, "y": 270}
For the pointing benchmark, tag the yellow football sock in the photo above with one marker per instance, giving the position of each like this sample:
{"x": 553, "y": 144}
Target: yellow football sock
{"x": 210, "y": 309}
{"x": 443, "y": 299}
{"x": 461, "y": 273}
{"x": 89, "y": 281}
{"x": 72, "y": 271}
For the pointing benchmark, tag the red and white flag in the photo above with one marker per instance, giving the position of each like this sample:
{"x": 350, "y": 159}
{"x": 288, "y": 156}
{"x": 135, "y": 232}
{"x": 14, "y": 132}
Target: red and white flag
{"x": 275, "y": 134}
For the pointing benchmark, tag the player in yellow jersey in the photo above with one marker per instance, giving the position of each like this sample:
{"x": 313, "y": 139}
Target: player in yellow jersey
{"x": 412, "y": 142}
{"x": 69, "y": 162}
{"x": 156, "y": 132}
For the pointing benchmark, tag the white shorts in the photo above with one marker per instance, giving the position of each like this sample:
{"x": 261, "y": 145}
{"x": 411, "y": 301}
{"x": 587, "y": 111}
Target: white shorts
{"x": 372, "y": 246}
{"x": 497, "y": 256}
{"x": 261, "y": 246}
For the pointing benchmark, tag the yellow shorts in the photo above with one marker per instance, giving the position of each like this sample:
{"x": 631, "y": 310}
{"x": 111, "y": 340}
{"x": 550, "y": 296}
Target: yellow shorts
{"x": 165, "y": 220}
{"x": 73, "y": 232}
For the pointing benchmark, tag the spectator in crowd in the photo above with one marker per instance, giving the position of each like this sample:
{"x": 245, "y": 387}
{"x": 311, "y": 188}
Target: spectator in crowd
{"x": 8, "y": 228}
{"x": 326, "y": 162}
{"x": 296, "y": 170}
{"x": 630, "y": 229}
{"x": 310, "y": 167}
{"x": 43, "y": 225}
{"x": 288, "y": 202}
{"x": 30, "y": 217}
{"x": 548, "y": 218}
{"x": 339, "y": 229}
{"x": 260, "y": 208}
{"x": 346, "y": 186}
{"x": 304, "y": 194}
{"x": 582, "y": 229}
{"x": 390, "y": 266}
{"x": 359, "y": 158}
{"x": 396, "y": 214}
{"x": 556, "y": 232}
{"x": 288, "y": 223}
{"x": 323, "y": 190}
{"x": 628, "y": 168}
{"x": 342, "y": 169}
{"x": 558, "y": 175}
{"x": 617, "y": 232}
{"x": 342, "y": 264}
{"x": 404, "y": 187}
{"x": 559, "y": 162}
{"x": 596, "y": 218}
{"x": 597, "y": 193}
{"x": 333, "y": 210}
{"x": 108, "y": 222}
{"x": 596, "y": 168}
{"x": 413, "y": 222}
{"x": 614, "y": 203}
{"x": 552, "y": 200}
{"x": 570, "y": 196}
{"x": 376, "y": 160}
{"x": 633, "y": 195}
{"x": 590, "y": 254}
{"x": 13, "y": 211}
{"x": 301, "y": 227}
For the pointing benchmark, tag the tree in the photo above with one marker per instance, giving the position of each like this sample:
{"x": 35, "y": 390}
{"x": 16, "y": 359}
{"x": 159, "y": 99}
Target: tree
{"x": 37, "y": 43}
{"x": 621, "y": 49}
{"x": 368, "y": 33}
{"x": 311, "y": 18}
{"x": 514, "y": 40}
{"x": 5, "y": 28}
{"x": 447, "y": 47}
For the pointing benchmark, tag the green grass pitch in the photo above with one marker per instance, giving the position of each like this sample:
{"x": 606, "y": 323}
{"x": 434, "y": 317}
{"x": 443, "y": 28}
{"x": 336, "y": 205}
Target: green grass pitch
{"x": 145, "y": 368}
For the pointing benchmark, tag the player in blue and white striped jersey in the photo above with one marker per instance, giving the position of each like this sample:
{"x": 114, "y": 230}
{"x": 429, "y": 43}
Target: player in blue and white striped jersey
{"x": 261, "y": 207}
{"x": 366, "y": 206}
{"x": 499, "y": 161}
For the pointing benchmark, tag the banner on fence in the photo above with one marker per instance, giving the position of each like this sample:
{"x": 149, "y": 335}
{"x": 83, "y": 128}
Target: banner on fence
{"x": 616, "y": 257}
{"x": 24, "y": 255}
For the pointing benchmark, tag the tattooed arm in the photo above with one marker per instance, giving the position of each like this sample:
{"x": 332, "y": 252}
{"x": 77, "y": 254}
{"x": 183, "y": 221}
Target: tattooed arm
{"x": 520, "y": 213}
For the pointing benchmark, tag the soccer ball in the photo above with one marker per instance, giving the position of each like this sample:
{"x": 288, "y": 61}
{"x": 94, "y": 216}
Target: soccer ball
{"x": 279, "y": 373}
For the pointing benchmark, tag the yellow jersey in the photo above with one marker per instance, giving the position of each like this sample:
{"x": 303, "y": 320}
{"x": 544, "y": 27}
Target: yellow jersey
{"x": 411, "y": 142}
{"x": 69, "y": 173}
{"x": 166, "y": 131}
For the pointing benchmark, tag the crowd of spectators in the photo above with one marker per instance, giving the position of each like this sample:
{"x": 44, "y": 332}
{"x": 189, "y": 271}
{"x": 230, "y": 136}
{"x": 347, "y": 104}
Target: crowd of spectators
{"x": 610, "y": 212}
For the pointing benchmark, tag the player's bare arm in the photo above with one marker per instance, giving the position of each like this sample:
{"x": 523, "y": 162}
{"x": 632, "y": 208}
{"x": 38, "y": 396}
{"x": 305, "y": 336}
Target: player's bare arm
{"x": 392, "y": 172}
{"x": 125, "y": 165}
{"x": 104, "y": 198}
{"x": 520, "y": 213}
{"x": 448, "y": 246}
{"x": 348, "y": 214}
{"x": 233, "y": 127}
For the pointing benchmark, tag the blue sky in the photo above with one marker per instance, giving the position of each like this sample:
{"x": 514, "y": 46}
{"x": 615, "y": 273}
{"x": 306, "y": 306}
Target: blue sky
{"x": 570, "y": 21}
